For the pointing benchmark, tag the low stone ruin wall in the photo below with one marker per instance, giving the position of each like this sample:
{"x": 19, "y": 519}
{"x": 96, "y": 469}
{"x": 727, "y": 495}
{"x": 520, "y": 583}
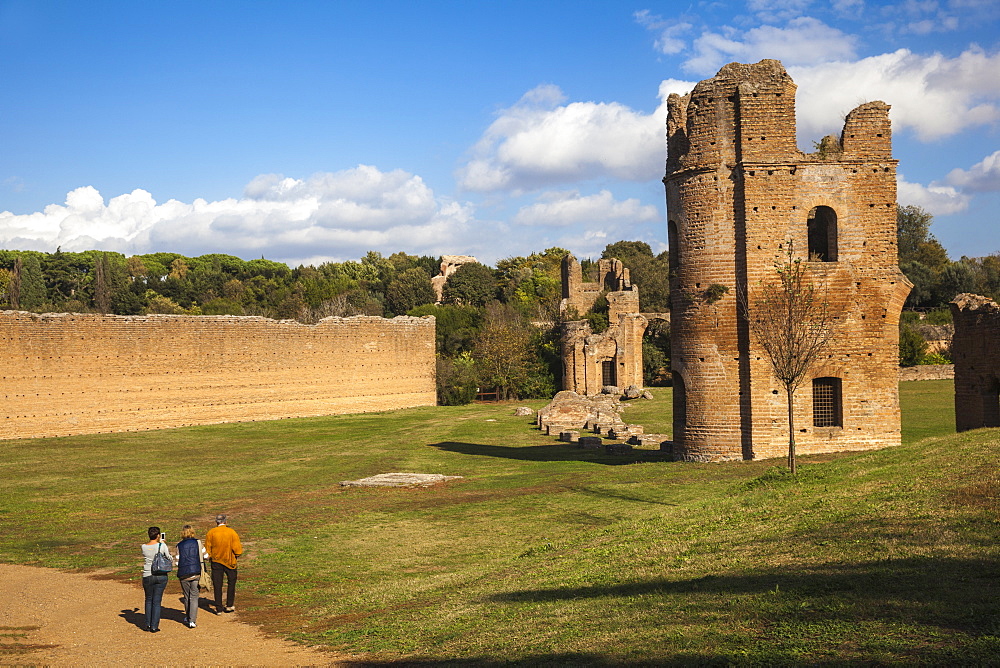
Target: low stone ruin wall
{"x": 927, "y": 372}
{"x": 75, "y": 373}
{"x": 976, "y": 351}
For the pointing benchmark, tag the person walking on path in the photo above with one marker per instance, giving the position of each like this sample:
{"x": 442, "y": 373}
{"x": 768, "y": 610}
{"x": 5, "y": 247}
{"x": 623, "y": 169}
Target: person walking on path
{"x": 153, "y": 584}
{"x": 224, "y": 548}
{"x": 190, "y": 554}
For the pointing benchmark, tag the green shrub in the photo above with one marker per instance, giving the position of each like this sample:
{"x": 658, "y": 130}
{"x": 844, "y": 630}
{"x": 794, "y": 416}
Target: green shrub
{"x": 457, "y": 380}
{"x": 939, "y": 316}
{"x": 912, "y": 346}
{"x": 934, "y": 358}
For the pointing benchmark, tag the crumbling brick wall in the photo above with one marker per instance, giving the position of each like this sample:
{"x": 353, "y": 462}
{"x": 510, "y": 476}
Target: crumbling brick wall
{"x": 738, "y": 190}
{"x": 86, "y": 373}
{"x": 591, "y": 360}
{"x": 579, "y": 295}
{"x": 975, "y": 350}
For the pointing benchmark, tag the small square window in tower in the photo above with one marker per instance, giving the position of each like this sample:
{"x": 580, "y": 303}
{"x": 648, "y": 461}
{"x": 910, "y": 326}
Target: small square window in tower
{"x": 827, "y": 403}
{"x": 608, "y": 375}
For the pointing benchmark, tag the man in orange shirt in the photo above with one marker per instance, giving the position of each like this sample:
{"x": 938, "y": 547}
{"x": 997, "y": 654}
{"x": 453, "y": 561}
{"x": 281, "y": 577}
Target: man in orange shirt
{"x": 223, "y": 546}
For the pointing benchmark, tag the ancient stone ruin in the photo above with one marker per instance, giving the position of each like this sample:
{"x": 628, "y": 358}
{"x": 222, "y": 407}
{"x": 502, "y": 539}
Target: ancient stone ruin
{"x": 587, "y": 420}
{"x": 400, "y": 480}
{"x": 738, "y": 191}
{"x": 613, "y": 358}
{"x": 449, "y": 265}
{"x": 975, "y": 349}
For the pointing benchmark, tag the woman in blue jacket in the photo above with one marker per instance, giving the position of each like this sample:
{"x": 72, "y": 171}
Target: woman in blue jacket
{"x": 190, "y": 554}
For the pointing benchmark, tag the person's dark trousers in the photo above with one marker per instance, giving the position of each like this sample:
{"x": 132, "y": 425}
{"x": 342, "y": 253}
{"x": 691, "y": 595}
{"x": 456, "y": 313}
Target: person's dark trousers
{"x": 218, "y": 570}
{"x": 153, "y": 586}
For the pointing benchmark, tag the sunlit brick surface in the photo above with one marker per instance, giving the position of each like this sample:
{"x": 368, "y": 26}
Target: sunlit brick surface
{"x": 84, "y": 373}
{"x": 738, "y": 189}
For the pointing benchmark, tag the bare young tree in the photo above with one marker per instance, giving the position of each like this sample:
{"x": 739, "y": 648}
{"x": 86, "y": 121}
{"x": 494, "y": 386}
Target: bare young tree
{"x": 791, "y": 323}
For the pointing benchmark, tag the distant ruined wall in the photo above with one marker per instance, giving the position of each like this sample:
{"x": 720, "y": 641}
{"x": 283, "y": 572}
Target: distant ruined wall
{"x": 975, "y": 350}
{"x": 927, "y": 372}
{"x": 72, "y": 373}
{"x": 580, "y": 295}
{"x": 738, "y": 189}
{"x": 449, "y": 265}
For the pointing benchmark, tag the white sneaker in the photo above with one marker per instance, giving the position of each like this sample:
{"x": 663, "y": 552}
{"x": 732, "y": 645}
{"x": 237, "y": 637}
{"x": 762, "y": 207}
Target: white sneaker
{"x": 192, "y": 625}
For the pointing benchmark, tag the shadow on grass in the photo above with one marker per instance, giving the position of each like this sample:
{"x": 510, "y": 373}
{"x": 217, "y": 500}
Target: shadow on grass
{"x": 922, "y": 611}
{"x": 558, "y": 452}
{"x": 957, "y": 594}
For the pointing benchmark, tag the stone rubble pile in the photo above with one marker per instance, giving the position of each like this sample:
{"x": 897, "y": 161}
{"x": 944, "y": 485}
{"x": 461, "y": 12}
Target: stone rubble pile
{"x": 570, "y": 415}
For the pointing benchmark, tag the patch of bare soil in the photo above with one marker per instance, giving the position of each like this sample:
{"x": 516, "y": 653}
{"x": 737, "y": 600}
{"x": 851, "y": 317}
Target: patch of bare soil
{"x": 50, "y": 617}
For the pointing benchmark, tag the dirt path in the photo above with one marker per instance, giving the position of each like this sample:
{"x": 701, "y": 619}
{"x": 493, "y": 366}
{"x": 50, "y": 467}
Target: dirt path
{"x": 48, "y": 617}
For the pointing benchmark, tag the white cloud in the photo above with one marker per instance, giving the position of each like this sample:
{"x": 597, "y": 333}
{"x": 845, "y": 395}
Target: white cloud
{"x": 848, "y": 7}
{"x": 540, "y": 142}
{"x": 803, "y": 41}
{"x": 922, "y": 17}
{"x": 14, "y": 184}
{"x": 778, "y": 9}
{"x": 339, "y": 215}
{"x": 937, "y": 199}
{"x": 933, "y": 95}
{"x": 563, "y": 208}
{"x": 984, "y": 176}
{"x": 669, "y": 33}
{"x": 585, "y": 224}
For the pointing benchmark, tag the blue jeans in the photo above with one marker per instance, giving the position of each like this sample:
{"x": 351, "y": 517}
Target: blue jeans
{"x": 153, "y": 585}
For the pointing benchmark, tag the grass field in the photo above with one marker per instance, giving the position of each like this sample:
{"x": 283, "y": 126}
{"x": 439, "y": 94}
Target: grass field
{"x": 543, "y": 553}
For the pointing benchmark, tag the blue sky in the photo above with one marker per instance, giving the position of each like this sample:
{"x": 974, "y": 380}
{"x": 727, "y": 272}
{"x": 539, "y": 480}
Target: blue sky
{"x": 314, "y": 131}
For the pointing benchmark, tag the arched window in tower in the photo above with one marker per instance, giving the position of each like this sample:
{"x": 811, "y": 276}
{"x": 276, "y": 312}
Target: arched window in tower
{"x": 822, "y": 231}
{"x": 674, "y": 251}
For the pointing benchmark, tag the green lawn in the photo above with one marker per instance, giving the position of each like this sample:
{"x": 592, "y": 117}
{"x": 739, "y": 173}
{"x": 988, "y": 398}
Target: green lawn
{"x": 545, "y": 553}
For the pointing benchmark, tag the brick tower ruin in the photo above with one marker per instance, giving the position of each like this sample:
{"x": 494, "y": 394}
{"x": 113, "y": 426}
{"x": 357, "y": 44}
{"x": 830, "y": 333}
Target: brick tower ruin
{"x": 738, "y": 190}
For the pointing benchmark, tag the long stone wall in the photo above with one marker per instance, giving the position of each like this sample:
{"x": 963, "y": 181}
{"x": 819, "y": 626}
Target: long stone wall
{"x": 73, "y": 373}
{"x": 928, "y": 372}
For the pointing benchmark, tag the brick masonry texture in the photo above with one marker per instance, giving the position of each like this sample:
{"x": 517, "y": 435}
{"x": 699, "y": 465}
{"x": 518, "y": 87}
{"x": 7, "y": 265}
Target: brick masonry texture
{"x": 738, "y": 189}
{"x": 73, "y": 373}
{"x": 975, "y": 349}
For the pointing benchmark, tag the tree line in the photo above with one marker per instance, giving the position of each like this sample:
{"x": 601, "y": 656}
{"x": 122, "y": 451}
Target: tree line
{"x": 497, "y": 327}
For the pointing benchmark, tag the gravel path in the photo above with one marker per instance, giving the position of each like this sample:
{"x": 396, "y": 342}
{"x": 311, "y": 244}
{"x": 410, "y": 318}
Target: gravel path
{"x": 48, "y": 617}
